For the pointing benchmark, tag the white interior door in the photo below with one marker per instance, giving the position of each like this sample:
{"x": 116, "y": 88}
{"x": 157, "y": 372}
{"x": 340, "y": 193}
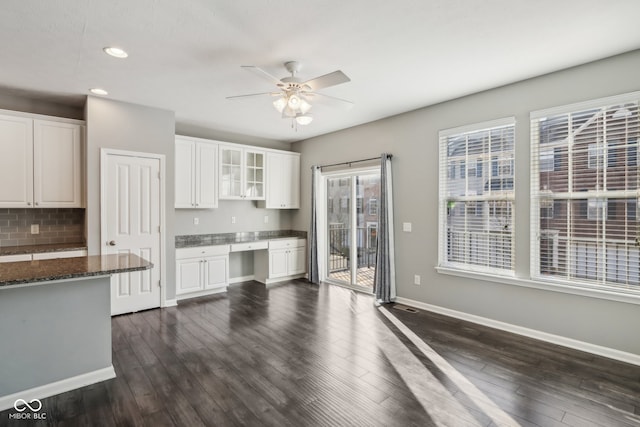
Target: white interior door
{"x": 132, "y": 196}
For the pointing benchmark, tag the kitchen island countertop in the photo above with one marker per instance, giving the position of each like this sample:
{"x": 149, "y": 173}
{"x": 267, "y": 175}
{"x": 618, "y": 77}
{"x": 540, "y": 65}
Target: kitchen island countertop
{"x": 43, "y": 271}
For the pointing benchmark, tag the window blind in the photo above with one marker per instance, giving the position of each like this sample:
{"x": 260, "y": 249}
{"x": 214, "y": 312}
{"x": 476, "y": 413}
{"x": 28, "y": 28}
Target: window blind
{"x": 476, "y": 195}
{"x": 585, "y": 193}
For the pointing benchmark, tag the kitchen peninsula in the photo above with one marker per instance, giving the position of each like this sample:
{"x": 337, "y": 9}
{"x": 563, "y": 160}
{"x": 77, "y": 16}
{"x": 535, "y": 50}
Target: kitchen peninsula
{"x": 56, "y": 324}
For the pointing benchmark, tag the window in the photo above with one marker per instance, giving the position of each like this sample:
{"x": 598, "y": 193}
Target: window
{"x": 547, "y": 160}
{"x": 584, "y": 160}
{"x": 596, "y": 209}
{"x": 373, "y": 207}
{"x": 476, "y": 209}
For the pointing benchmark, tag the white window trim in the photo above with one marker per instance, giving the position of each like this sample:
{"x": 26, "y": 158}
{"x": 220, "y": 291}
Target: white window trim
{"x": 442, "y": 210}
{"x": 579, "y": 288}
{"x": 574, "y": 286}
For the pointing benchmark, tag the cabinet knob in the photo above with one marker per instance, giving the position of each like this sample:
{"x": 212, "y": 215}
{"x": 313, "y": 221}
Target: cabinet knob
{"x": 28, "y": 203}
{"x": 111, "y": 243}
{"x": 36, "y": 203}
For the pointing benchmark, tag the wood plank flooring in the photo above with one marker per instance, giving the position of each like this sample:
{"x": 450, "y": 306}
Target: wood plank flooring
{"x": 302, "y": 355}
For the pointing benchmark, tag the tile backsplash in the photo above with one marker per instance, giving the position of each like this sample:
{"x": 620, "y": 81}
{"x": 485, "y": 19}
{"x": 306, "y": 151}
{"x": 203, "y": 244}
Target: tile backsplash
{"x": 61, "y": 225}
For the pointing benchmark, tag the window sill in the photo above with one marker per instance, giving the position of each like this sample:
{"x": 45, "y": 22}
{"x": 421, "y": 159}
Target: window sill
{"x": 607, "y": 294}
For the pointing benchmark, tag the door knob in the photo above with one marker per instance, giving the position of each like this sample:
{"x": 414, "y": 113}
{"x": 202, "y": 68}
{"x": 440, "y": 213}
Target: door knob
{"x": 112, "y": 243}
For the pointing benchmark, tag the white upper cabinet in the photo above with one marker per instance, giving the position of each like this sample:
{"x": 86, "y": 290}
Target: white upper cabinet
{"x": 40, "y": 163}
{"x": 57, "y": 164}
{"x": 283, "y": 181}
{"x": 195, "y": 174}
{"x": 242, "y": 173}
{"x": 16, "y": 162}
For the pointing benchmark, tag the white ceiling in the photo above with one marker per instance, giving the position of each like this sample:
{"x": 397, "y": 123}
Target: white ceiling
{"x": 185, "y": 55}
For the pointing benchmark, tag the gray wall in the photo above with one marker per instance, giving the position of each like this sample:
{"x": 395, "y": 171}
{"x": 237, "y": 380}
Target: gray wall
{"x": 412, "y": 138}
{"x": 248, "y": 218}
{"x": 53, "y": 331}
{"x": 28, "y": 102}
{"x": 122, "y": 126}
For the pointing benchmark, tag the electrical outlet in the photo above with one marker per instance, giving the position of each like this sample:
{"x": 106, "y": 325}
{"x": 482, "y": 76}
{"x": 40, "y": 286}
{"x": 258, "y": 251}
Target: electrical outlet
{"x": 233, "y": 220}
{"x": 416, "y": 279}
{"x": 266, "y": 219}
{"x": 196, "y": 221}
{"x": 35, "y": 228}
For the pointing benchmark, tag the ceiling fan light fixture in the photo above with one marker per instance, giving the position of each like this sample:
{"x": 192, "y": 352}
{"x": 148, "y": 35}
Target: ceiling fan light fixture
{"x": 304, "y": 106}
{"x": 280, "y": 103}
{"x": 304, "y": 119}
{"x": 294, "y": 102}
{"x": 288, "y": 112}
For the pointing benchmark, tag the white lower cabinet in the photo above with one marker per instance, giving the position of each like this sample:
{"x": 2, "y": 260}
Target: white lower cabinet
{"x": 285, "y": 260}
{"x": 202, "y": 270}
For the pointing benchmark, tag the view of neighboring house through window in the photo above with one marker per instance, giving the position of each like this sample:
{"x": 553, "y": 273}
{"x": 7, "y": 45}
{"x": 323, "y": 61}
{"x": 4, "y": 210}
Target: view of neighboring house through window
{"x": 476, "y": 197}
{"x": 584, "y": 194}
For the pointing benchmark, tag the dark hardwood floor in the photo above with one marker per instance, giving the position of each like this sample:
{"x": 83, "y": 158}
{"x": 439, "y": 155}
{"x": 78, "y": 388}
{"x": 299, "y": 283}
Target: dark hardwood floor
{"x": 301, "y": 355}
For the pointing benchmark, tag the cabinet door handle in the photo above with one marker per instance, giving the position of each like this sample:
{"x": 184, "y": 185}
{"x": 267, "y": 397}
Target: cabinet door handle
{"x": 28, "y": 203}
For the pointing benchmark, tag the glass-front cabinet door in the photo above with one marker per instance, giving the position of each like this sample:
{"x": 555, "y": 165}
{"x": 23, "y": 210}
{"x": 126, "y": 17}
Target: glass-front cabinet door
{"x": 242, "y": 173}
{"x": 230, "y": 173}
{"x": 254, "y": 175}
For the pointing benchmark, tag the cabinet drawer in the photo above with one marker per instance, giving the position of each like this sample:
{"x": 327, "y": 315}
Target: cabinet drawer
{"x": 202, "y": 251}
{"x": 61, "y": 254}
{"x": 249, "y": 246}
{"x": 287, "y": 243}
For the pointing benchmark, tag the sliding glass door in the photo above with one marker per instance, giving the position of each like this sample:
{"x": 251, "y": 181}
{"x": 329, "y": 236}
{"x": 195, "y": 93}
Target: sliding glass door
{"x": 351, "y": 225}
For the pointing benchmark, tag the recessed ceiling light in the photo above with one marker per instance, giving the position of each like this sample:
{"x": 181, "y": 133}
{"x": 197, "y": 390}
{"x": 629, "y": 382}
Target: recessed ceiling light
{"x": 98, "y": 91}
{"x": 116, "y": 52}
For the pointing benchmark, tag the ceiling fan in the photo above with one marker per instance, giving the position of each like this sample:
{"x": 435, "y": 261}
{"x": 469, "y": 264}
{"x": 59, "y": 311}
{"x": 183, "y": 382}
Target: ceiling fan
{"x": 293, "y": 95}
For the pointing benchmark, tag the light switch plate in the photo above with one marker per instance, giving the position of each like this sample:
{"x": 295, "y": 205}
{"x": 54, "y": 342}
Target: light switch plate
{"x": 35, "y": 228}
{"x": 406, "y": 227}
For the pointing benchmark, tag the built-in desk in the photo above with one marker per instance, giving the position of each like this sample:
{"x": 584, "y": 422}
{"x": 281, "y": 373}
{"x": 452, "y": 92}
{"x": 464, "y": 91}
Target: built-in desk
{"x": 202, "y": 261}
{"x": 55, "y": 324}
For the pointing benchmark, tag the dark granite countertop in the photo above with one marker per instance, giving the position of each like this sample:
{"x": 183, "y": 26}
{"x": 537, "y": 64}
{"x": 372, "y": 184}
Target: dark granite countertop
{"x": 34, "y": 249}
{"x": 195, "y": 240}
{"x": 27, "y": 272}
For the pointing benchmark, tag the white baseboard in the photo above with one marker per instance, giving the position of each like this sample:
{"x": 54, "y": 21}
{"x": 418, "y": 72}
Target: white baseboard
{"x": 201, "y": 294}
{"x": 241, "y": 279}
{"x": 51, "y": 389}
{"x": 611, "y": 353}
{"x": 170, "y": 303}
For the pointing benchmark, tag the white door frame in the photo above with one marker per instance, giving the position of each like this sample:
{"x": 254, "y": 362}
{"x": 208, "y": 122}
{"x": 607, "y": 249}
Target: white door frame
{"x": 321, "y": 205}
{"x": 104, "y": 153}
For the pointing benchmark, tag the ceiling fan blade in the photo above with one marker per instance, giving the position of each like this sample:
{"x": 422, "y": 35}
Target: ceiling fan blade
{"x": 331, "y": 79}
{"x": 262, "y": 73}
{"x": 330, "y": 99}
{"x": 253, "y": 94}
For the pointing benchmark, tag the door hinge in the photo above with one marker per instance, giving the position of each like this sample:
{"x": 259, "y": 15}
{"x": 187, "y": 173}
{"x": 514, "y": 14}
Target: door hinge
{"x": 158, "y": 174}
{"x": 159, "y": 284}
{"x": 159, "y": 229}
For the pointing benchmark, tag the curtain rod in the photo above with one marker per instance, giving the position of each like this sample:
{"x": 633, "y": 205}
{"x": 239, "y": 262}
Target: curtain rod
{"x": 353, "y": 161}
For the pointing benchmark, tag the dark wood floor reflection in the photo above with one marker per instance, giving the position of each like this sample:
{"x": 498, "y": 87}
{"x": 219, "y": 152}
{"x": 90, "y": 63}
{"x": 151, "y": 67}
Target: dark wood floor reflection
{"x": 301, "y": 355}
